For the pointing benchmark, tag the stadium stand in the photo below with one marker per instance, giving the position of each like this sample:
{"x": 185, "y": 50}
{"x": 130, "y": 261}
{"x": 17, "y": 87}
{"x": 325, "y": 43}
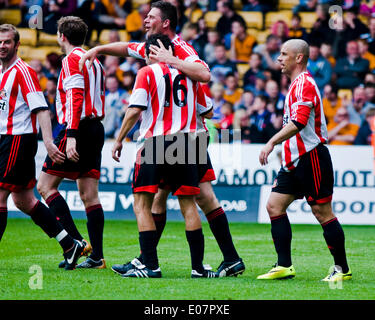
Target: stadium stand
{"x": 308, "y": 19}
{"x": 253, "y": 19}
{"x": 12, "y": 16}
{"x": 211, "y": 18}
{"x": 272, "y": 17}
{"x": 29, "y": 37}
{"x": 287, "y": 4}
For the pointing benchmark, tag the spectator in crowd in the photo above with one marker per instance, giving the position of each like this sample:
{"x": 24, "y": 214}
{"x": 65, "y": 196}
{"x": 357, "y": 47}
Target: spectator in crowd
{"x": 369, "y": 77}
{"x": 321, "y": 30}
{"x": 116, "y": 102}
{"x": 254, "y": 71}
{"x": 193, "y": 11}
{"x": 356, "y": 106}
{"x": 370, "y": 36}
{"x": 284, "y": 84}
{"x": 26, "y": 17}
{"x": 296, "y": 31}
{"x": 222, "y": 65}
{"x": 110, "y": 14}
{"x": 259, "y": 120}
{"x": 224, "y": 24}
{"x": 366, "y": 8}
{"x": 131, "y": 64}
{"x": 326, "y": 52}
{"x": 260, "y": 85}
{"x": 319, "y": 67}
{"x": 331, "y": 102}
{"x": 365, "y": 54}
{"x": 217, "y": 94}
{"x": 112, "y": 66}
{"x": 280, "y": 29}
{"x": 134, "y": 22}
{"x": 232, "y": 92}
{"x": 128, "y": 80}
{"x": 364, "y": 133}
{"x": 275, "y": 98}
{"x": 37, "y": 65}
{"x": 350, "y": 71}
{"x": 370, "y": 98}
{"x": 306, "y": 6}
{"x": 352, "y": 29}
{"x": 53, "y": 10}
{"x": 341, "y": 131}
{"x": 189, "y": 33}
{"x": 241, "y": 43}
{"x": 202, "y": 37}
{"x": 262, "y": 6}
{"x": 181, "y": 18}
{"x": 213, "y": 40}
{"x": 247, "y": 100}
{"x": 53, "y": 64}
{"x": 270, "y": 51}
{"x": 227, "y": 116}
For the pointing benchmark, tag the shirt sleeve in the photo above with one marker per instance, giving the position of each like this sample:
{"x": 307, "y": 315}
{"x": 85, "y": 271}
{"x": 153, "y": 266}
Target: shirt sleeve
{"x": 31, "y": 91}
{"x": 301, "y": 109}
{"x": 141, "y": 90}
{"x": 137, "y": 50}
{"x": 204, "y": 103}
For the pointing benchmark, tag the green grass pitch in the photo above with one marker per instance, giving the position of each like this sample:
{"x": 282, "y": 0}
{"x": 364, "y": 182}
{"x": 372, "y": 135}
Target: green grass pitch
{"x": 24, "y": 245}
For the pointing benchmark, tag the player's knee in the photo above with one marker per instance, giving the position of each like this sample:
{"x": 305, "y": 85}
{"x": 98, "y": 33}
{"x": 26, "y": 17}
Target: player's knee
{"x": 42, "y": 190}
{"x": 272, "y": 209}
{"x": 88, "y": 198}
{"x": 206, "y": 198}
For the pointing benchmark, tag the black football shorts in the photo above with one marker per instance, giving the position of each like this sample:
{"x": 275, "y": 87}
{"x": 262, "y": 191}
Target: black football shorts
{"x": 312, "y": 178}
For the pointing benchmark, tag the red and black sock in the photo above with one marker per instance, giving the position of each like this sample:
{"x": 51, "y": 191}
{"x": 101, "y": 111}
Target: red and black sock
{"x": 219, "y": 226}
{"x": 335, "y": 239}
{"x": 148, "y": 242}
{"x": 95, "y": 227}
{"x": 60, "y": 209}
{"x": 3, "y": 220}
{"x": 282, "y": 238}
{"x": 195, "y": 239}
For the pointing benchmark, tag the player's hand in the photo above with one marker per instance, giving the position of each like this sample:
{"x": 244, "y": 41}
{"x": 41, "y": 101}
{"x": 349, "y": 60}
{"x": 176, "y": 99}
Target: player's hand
{"x": 89, "y": 55}
{"x": 71, "y": 151}
{"x": 54, "y": 153}
{"x": 161, "y": 54}
{"x": 263, "y": 156}
{"x": 116, "y": 151}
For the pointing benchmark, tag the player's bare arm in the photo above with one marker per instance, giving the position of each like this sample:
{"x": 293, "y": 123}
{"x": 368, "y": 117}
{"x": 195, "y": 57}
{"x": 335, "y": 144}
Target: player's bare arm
{"x": 131, "y": 117}
{"x": 44, "y": 120}
{"x": 194, "y": 70}
{"x": 115, "y": 49}
{"x": 285, "y": 133}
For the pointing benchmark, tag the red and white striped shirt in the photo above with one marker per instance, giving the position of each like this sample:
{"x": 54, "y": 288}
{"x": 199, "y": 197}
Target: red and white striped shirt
{"x": 20, "y": 94}
{"x": 169, "y": 100}
{"x": 185, "y": 52}
{"x": 80, "y": 94}
{"x": 303, "y": 104}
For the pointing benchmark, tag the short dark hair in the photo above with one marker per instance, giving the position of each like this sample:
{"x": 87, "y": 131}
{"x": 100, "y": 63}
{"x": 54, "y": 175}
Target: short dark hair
{"x": 6, "y": 27}
{"x": 73, "y": 28}
{"x": 168, "y": 12}
{"x": 153, "y": 40}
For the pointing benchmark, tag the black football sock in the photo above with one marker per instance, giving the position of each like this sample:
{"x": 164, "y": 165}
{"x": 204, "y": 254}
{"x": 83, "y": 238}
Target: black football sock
{"x": 95, "y": 227}
{"x": 335, "y": 239}
{"x": 3, "y": 220}
{"x": 218, "y": 222}
{"x": 60, "y": 209}
{"x": 45, "y": 219}
{"x": 160, "y": 219}
{"x": 195, "y": 239}
{"x": 148, "y": 241}
{"x": 282, "y": 238}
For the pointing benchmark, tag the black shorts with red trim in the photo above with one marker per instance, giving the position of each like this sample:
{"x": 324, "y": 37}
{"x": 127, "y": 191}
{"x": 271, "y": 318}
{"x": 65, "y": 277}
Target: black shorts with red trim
{"x": 89, "y": 144}
{"x": 161, "y": 162}
{"x": 205, "y": 169}
{"x": 17, "y": 161}
{"x": 312, "y": 178}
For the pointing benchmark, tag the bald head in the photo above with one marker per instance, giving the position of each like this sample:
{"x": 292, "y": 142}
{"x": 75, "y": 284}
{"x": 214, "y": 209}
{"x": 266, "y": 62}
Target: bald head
{"x": 298, "y": 46}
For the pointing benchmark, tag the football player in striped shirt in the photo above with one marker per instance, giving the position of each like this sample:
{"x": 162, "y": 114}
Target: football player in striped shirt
{"x": 22, "y": 106}
{"x": 80, "y": 108}
{"x": 306, "y": 169}
{"x": 166, "y": 98}
{"x": 162, "y": 18}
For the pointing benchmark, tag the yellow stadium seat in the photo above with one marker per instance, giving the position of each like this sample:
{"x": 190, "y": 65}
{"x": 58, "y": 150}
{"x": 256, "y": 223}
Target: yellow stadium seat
{"x": 211, "y": 18}
{"x": 242, "y": 68}
{"x": 253, "y": 19}
{"x": 46, "y": 39}
{"x": 287, "y": 4}
{"x": 104, "y": 36}
{"x": 28, "y": 36}
{"x": 237, "y": 4}
{"x": 24, "y": 52}
{"x": 252, "y": 31}
{"x": 272, "y": 17}
{"x": 40, "y": 53}
{"x": 308, "y": 19}
{"x": 12, "y": 16}
{"x": 345, "y": 94}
